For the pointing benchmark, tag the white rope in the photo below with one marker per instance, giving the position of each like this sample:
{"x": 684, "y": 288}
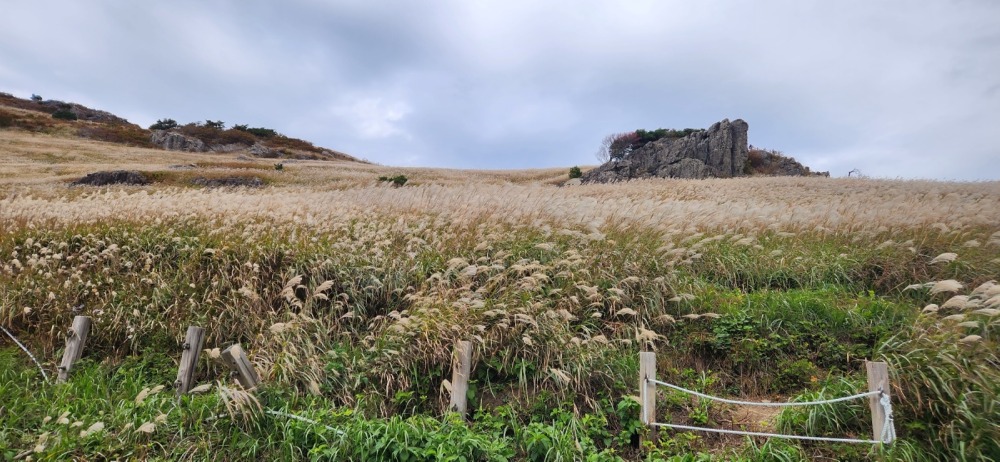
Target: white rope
{"x": 40, "y": 368}
{"x": 768, "y": 435}
{"x": 888, "y": 427}
{"x": 754, "y": 403}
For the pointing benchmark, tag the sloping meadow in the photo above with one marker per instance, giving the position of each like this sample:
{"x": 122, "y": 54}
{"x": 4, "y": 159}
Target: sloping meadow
{"x": 349, "y": 303}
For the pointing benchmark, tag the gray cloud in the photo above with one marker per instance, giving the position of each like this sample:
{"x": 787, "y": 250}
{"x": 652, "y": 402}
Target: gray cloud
{"x": 895, "y": 89}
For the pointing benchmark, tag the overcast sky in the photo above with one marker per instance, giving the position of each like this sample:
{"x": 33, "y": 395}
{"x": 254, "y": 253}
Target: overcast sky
{"x": 906, "y": 89}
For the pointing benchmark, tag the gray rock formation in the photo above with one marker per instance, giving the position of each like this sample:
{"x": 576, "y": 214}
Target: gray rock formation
{"x": 231, "y": 147}
{"x": 259, "y": 150}
{"x": 173, "y": 141}
{"x": 720, "y": 151}
{"x": 113, "y": 177}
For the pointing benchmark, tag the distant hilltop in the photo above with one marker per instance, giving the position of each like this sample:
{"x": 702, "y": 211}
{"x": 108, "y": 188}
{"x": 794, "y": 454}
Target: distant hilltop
{"x": 54, "y": 116}
{"x": 721, "y": 151}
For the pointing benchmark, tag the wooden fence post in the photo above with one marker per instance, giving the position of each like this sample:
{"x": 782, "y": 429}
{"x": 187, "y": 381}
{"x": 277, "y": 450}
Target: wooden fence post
{"x": 189, "y": 359}
{"x": 878, "y": 380}
{"x": 75, "y": 339}
{"x": 647, "y": 391}
{"x": 461, "y": 367}
{"x": 237, "y": 360}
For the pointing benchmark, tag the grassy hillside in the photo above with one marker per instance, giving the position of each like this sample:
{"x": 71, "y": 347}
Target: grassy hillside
{"x": 37, "y": 116}
{"x": 348, "y": 295}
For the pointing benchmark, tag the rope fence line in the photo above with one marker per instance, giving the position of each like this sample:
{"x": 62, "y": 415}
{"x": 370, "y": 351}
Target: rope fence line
{"x": 766, "y": 404}
{"x": 25, "y": 349}
{"x": 767, "y": 435}
{"x": 883, "y": 426}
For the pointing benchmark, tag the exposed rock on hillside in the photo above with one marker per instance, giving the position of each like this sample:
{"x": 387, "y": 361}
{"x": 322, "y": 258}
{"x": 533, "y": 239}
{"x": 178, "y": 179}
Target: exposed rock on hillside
{"x": 229, "y": 181}
{"x": 259, "y": 150}
{"x": 113, "y": 177}
{"x": 720, "y": 151}
{"x": 173, "y": 141}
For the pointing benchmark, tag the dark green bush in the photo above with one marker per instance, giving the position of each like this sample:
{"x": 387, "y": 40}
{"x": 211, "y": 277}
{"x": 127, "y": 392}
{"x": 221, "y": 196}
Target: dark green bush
{"x": 214, "y": 136}
{"x": 574, "y": 172}
{"x": 398, "y": 180}
{"x": 256, "y": 131}
{"x": 64, "y": 114}
{"x": 164, "y": 124}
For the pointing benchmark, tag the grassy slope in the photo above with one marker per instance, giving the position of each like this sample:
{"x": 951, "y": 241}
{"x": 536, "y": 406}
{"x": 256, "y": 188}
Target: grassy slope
{"x": 348, "y": 295}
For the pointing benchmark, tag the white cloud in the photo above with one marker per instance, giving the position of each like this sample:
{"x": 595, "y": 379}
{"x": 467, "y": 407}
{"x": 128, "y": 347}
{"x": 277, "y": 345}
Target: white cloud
{"x": 888, "y": 87}
{"x": 372, "y": 117}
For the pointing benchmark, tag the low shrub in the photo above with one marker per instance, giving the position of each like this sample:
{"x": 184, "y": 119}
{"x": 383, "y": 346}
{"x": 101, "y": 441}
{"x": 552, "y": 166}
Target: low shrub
{"x": 163, "y": 124}
{"x": 574, "y": 172}
{"x": 126, "y": 134}
{"x": 64, "y": 114}
{"x": 214, "y": 136}
{"x": 397, "y": 181}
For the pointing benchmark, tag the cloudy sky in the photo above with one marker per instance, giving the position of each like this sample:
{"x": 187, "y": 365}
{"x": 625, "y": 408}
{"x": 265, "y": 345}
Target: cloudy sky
{"x": 894, "y": 88}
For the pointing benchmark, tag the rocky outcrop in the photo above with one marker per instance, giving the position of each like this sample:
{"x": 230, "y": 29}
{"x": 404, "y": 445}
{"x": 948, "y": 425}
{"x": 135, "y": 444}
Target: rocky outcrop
{"x": 720, "y": 151}
{"x": 259, "y": 150}
{"x": 113, "y": 177}
{"x": 173, "y": 141}
{"x": 773, "y": 163}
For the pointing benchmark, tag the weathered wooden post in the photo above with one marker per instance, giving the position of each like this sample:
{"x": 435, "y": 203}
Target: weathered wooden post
{"x": 237, "y": 360}
{"x": 75, "y": 339}
{"x": 878, "y": 380}
{"x": 647, "y": 391}
{"x": 189, "y": 359}
{"x": 461, "y": 367}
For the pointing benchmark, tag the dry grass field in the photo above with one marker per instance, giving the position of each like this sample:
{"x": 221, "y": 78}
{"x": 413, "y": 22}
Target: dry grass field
{"x": 348, "y": 294}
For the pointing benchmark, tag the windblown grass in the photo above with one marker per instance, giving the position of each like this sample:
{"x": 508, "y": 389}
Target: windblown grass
{"x": 349, "y": 295}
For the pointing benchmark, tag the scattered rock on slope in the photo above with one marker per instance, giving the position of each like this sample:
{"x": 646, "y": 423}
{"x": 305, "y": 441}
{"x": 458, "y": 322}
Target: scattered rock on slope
{"x": 230, "y": 181}
{"x": 113, "y": 177}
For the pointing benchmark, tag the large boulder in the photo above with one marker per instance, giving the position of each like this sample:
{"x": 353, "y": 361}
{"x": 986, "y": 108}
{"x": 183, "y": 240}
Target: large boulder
{"x": 259, "y": 150}
{"x": 720, "y": 151}
{"x": 173, "y": 141}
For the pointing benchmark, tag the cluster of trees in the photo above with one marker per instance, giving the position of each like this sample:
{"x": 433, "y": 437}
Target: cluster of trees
{"x": 618, "y": 145}
{"x": 261, "y": 132}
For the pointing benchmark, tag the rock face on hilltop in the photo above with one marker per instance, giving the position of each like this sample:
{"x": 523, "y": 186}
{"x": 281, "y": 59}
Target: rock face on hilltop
{"x": 720, "y": 151}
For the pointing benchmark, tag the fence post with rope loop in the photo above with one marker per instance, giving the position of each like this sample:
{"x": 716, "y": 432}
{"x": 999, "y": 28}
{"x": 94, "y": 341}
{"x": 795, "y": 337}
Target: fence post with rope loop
{"x": 883, "y": 430}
